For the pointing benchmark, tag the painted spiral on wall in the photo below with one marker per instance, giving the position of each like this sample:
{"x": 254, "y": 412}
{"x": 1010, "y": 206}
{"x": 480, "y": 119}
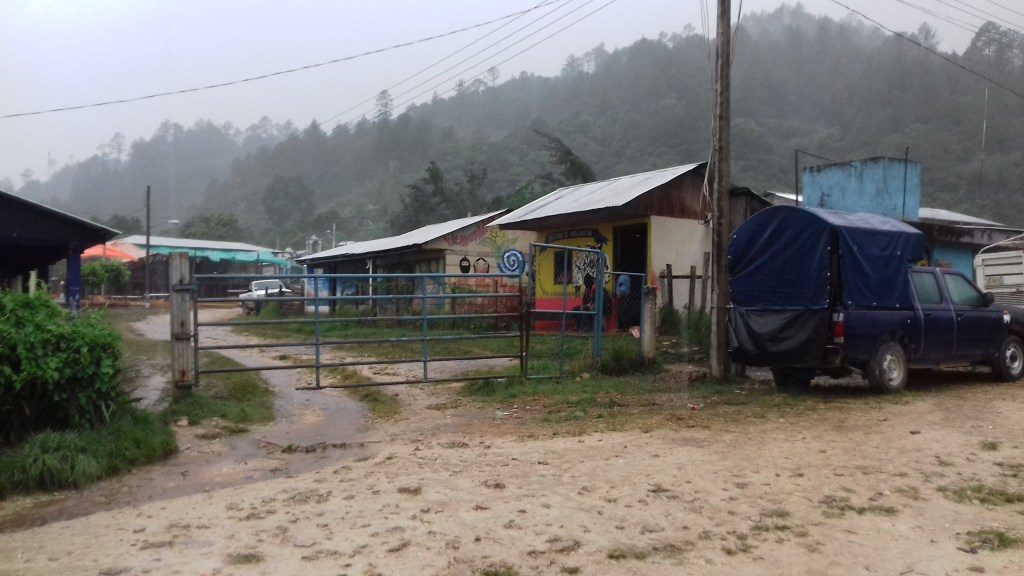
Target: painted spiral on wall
{"x": 512, "y": 262}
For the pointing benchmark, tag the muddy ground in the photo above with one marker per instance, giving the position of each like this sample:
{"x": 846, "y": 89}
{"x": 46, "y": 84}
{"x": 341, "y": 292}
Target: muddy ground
{"x": 456, "y": 487}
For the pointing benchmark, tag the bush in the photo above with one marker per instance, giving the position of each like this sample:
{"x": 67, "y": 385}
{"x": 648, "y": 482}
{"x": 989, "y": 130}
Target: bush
{"x": 670, "y": 321}
{"x": 99, "y": 275}
{"x": 698, "y": 331}
{"x": 73, "y": 459}
{"x": 620, "y": 358}
{"x": 56, "y": 371}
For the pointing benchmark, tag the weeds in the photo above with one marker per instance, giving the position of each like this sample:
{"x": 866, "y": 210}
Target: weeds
{"x": 499, "y": 569}
{"x": 73, "y": 459}
{"x": 236, "y": 397}
{"x": 838, "y": 506}
{"x": 992, "y": 539}
{"x": 981, "y": 494}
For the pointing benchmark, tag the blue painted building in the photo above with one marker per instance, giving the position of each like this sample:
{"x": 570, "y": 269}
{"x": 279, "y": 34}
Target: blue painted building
{"x": 892, "y": 187}
{"x": 886, "y": 186}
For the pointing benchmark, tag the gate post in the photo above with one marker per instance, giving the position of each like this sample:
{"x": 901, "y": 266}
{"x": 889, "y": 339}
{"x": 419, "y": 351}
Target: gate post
{"x": 182, "y": 298}
{"x": 648, "y": 323}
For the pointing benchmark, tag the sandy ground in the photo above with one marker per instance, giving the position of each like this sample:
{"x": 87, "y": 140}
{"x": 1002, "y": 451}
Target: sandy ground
{"x": 861, "y": 490}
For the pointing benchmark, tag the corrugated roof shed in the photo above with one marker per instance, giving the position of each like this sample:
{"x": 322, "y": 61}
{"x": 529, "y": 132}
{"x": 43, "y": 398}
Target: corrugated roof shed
{"x": 410, "y": 239}
{"x": 192, "y": 244}
{"x": 610, "y": 193}
{"x": 948, "y": 216}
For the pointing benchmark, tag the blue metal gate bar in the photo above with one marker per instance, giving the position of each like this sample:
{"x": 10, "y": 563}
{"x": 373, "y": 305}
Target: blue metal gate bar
{"x": 424, "y": 318}
{"x": 596, "y": 315}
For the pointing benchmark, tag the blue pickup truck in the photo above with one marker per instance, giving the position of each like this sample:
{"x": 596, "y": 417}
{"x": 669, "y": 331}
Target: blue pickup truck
{"x": 820, "y": 291}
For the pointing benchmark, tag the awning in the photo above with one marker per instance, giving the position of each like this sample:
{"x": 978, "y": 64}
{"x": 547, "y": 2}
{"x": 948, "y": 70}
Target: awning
{"x": 109, "y": 252}
{"x": 262, "y": 256}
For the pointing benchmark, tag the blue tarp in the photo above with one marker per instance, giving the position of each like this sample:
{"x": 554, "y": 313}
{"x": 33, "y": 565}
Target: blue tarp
{"x": 263, "y": 256}
{"x": 781, "y": 258}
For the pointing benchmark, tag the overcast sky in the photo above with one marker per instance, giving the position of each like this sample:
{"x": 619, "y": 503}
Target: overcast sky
{"x": 64, "y": 53}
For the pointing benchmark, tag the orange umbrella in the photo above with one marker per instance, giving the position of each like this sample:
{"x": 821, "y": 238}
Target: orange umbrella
{"x": 108, "y": 252}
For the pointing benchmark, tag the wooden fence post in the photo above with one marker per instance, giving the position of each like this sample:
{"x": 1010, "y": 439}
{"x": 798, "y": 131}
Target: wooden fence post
{"x": 691, "y": 295}
{"x": 668, "y": 288}
{"x": 182, "y": 360}
{"x": 704, "y": 278}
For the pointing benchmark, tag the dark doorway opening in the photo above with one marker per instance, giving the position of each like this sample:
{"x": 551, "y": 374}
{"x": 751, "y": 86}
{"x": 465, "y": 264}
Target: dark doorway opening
{"x": 630, "y": 255}
{"x": 630, "y": 252}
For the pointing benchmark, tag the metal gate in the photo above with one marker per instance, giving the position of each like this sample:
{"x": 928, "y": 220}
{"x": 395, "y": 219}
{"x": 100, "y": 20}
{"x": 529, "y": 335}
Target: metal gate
{"x": 578, "y": 308}
{"x": 413, "y": 319}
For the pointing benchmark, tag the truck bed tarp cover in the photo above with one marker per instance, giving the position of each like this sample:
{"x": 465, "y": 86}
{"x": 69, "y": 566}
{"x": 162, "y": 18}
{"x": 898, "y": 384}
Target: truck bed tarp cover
{"x": 779, "y": 258}
{"x": 781, "y": 281}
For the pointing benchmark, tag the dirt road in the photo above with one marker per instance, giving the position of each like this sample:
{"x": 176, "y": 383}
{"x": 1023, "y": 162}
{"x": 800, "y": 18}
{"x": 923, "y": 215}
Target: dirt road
{"x": 872, "y": 488}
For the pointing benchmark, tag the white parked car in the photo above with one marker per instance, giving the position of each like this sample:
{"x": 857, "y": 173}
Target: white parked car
{"x": 260, "y": 289}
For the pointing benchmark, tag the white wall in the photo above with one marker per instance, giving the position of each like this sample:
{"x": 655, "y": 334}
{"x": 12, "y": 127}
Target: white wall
{"x": 681, "y": 243}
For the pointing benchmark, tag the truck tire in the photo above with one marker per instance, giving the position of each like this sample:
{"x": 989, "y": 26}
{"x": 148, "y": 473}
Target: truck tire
{"x": 1009, "y": 363}
{"x": 792, "y": 379}
{"x": 888, "y": 369}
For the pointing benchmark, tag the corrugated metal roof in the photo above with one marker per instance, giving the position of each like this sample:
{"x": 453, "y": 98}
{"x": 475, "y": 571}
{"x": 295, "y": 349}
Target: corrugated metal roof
{"x": 942, "y": 215}
{"x": 595, "y": 195}
{"x": 409, "y": 239}
{"x": 193, "y": 244}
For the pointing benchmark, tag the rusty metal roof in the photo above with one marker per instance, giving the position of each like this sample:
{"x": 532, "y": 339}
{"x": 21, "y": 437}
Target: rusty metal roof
{"x": 595, "y": 195}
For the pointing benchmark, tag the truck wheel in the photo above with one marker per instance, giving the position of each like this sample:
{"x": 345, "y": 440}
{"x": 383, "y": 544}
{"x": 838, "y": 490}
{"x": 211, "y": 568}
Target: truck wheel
{"x": 1009, "y": 363}
{"x": 888, "y": 369}
{"x": 792, "y": 379}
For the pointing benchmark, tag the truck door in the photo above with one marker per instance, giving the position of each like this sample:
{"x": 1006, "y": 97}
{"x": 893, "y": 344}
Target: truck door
{"x": 938, "y": 334}
{"x": 979, "y": 328}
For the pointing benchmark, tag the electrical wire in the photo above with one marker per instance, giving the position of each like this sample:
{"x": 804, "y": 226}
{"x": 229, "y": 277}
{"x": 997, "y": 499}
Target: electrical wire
{"x": 962, "y": 24}
{"x": 983, "y": 14}
{"x": 270, "y": 74}
{"x": 478, "y": 52}
{"x": 422, "y": 70}
{"x": 485, "y": 60}
{"x": 1007, "y": 8}
{"x": 930, "y": 50}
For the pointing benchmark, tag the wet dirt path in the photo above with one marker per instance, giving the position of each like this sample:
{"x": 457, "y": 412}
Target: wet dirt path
{"x": 311, "y": 430}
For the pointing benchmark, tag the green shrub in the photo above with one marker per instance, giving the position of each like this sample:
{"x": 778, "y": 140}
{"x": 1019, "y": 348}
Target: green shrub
{"x": 99, "y": 275}
{"x": 670, "y": 321}
{"x": 620, "y": 358}
{"x": 73, "y": 459}
{"x": 698, "y": 331}
{"x": 56, "y": 372}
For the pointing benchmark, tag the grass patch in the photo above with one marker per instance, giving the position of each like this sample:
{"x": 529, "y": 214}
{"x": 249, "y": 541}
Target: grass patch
{"x": 982, "y": 494}
{"x": 243, "y": 558}
{"x": 235, "y": 397}
{"x": 992, "y": 539}
{"x": 664, "y": 550}
{"x": 990, "y": 445}
{"x": 379, "y": 403}
{"x": 74, "y": 459}
{"x": 499, "y": 569}
{"x": 838, "y": 506}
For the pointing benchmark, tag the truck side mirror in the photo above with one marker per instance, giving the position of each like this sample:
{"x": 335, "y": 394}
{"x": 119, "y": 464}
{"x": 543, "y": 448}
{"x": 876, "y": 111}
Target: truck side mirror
{"x": 988, "y": 298}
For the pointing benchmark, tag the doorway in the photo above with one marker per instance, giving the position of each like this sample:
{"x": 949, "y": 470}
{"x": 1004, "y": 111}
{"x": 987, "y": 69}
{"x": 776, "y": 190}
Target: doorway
{"x": 630, "y": 248}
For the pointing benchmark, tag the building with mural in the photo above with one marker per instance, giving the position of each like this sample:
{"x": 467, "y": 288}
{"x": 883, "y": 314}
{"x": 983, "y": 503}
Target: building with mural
{"x": 456, "y": 247}
{"x": 641, "y": 222}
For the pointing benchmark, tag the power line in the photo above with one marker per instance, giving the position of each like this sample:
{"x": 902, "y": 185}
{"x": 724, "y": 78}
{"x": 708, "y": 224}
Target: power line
{"x": 555, "y": 33}
{"x": 983, "y": 14}
{"x": 962, "y": 24}
{"x": 563, "y": 3}
{"x": 272, "y": 74}
{"x": 934, "y": 52}
{"x": 485, "y": 59}
{"x": 1006, "y": 7}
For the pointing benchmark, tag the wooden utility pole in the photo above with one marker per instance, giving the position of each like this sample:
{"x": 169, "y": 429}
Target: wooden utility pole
{"x": 720, "y": 183}
{"x": 146, "y": 267}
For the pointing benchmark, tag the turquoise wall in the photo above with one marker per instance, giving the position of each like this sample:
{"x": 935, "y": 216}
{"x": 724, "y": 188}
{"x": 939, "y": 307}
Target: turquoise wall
{"x": 875, "y": 185}
{"x": 960, "y": 257}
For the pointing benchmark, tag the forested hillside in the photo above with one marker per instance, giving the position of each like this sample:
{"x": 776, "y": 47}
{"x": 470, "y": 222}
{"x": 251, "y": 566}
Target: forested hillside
{"x": 840, "y": 90}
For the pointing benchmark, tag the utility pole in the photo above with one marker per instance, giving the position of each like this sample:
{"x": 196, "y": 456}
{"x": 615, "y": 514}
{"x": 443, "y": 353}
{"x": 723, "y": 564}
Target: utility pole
{"x": 146, "y": 267}
{"x": 721, "y": 183}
